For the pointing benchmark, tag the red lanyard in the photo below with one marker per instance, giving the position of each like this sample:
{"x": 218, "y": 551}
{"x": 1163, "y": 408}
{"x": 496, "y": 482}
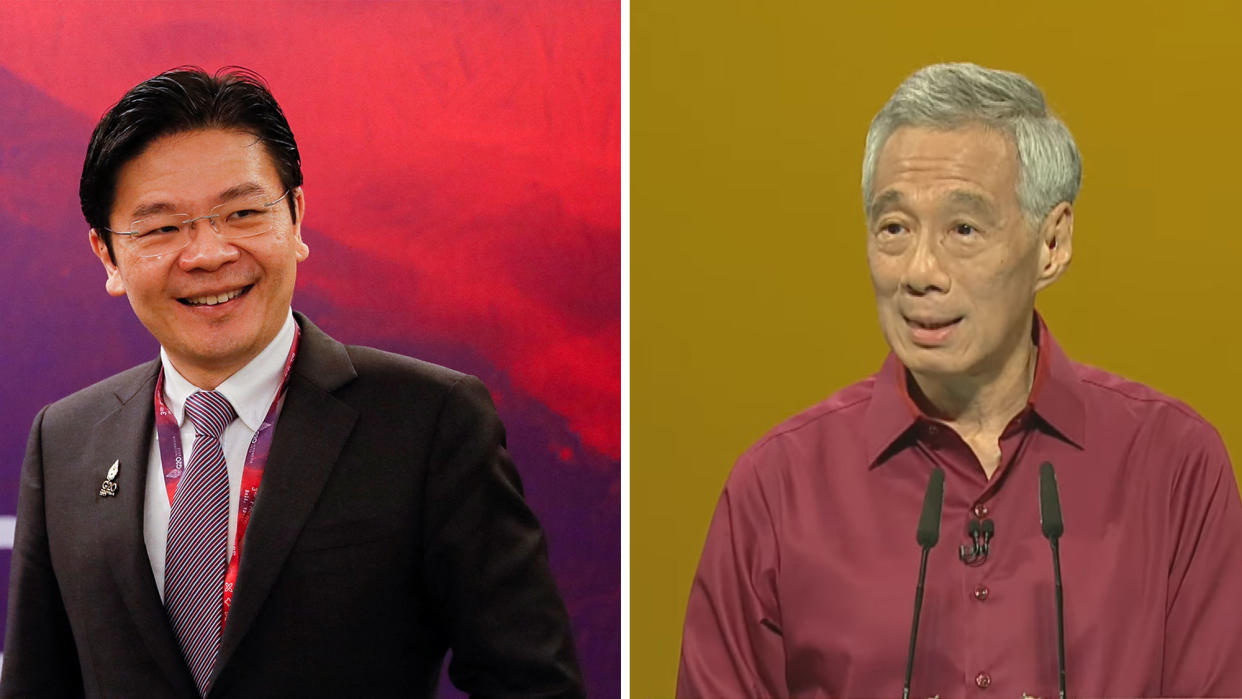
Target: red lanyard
{"x": 252, "y": 473}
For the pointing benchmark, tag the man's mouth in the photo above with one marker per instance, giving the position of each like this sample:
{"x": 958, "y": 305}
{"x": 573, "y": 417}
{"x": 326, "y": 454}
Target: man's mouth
{"x": 214, "y": 299}
{"x": 931, "y": 324}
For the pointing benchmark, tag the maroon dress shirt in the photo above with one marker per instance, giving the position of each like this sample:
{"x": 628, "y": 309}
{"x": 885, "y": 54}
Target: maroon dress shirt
{"x": 806, "y": 583}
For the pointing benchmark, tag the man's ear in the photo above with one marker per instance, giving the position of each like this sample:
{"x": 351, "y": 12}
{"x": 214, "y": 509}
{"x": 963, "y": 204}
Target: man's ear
{"x": 299, "y": 205}
{"x": 115, "y": 285}
{"x": 1056, "y": 244}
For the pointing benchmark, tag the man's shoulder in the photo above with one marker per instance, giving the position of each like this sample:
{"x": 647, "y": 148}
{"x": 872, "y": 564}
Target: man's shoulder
{"x": 333, "y": 366}
{"x": 1114, "y": 397}
{"x": 834, "y": 425}
{"x": 842, "y": 412}
{"x": 374, "y": 364}
{"x": 387, "y": 380}
{"x": 90, "y": 404}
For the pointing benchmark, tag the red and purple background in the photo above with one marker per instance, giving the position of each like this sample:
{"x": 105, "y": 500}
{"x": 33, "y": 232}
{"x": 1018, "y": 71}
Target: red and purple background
{"x": 462, "y": 165}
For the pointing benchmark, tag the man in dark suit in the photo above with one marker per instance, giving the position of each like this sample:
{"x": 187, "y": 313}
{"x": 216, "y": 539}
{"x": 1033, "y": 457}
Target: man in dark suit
{"x": 262, "y": 511}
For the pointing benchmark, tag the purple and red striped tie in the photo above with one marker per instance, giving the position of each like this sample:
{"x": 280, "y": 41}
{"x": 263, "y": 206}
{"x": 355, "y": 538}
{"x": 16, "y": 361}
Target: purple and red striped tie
{"x": 197, "y": 554}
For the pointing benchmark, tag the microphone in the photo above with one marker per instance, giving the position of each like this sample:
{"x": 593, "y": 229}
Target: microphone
{"x": 969, "y": 554}
{"x": 989, "y": 530}
{"x": 1053, "y": 526}
{"x": 980, "y": 534}
{"x": 1049, "y": 504}
{"x": 927, "y": 535}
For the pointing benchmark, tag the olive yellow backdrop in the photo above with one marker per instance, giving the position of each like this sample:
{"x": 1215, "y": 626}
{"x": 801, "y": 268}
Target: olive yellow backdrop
{"x": 750, "y": 298}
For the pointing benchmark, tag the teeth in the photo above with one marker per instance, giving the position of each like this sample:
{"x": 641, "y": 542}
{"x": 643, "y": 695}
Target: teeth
{"x": 213, "y": 299}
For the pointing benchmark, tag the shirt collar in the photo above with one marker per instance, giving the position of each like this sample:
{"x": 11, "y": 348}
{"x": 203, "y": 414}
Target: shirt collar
{"x": 250, "y": 390}
{"x": 1055, "y": 397}
{"x": 1056, "y": 394}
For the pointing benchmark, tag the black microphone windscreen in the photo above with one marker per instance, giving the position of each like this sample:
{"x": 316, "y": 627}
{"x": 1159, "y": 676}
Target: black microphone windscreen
{"x": 972, "y": 527}
{"x": 1049, "y": 503}
{"x": 929, "y": 523}
{"x": 989, "y": 529}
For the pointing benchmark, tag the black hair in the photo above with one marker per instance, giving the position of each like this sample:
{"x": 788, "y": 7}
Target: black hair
{"x": 179, "y": 100}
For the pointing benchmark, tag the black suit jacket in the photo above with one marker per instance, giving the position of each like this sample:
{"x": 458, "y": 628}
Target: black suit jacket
{"x": 389, "y": 526}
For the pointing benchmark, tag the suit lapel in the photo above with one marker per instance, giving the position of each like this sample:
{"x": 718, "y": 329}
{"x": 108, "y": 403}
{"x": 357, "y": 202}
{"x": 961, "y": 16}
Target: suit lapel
{"x": 310, "y": 433}
{"x": 125, "y": 436}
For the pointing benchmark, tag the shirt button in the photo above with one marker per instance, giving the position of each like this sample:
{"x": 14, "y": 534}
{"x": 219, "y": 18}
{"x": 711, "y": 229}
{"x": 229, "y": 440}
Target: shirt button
{"x": 981, "y": 511}
{"x": 983, "y": 680}
{"x": 981, "y": 593}
{"x": 933, "y": 430}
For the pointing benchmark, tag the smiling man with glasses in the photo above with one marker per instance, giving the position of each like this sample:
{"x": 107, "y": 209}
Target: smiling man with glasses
{"x": 261, "y": 511}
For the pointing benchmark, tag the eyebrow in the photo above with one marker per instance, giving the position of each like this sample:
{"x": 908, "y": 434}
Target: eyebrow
{"x": 164, "y": 207}
{"x": 244, "y": 189}
{"x": 887, "y": 200}
{"x": 159, "y": 207}
{"x": 970, "y": 200}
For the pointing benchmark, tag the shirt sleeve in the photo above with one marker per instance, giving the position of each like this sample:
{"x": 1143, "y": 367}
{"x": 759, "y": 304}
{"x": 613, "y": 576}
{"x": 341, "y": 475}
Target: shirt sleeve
{"x": 732, "y": 644}
{"x": 1203, "y": 635}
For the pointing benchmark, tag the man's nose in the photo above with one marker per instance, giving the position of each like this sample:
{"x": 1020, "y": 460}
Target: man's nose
{"x": 924, "y": 271}
{"x": 206, "y": 249}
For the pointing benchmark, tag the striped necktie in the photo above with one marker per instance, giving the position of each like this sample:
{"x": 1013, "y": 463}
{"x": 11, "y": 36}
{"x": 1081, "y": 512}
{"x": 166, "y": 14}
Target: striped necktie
{"x": 197, "y": 554}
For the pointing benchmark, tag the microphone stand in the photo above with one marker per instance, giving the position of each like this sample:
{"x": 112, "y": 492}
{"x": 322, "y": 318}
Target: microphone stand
{"x": 928, "y": 535}
{"x": 914, "y": 629}
{"x": 1053, "y": 527}
{"x": 1055, "y": 542}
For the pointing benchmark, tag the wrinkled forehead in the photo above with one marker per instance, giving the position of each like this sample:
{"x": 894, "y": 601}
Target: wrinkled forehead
{"x": 971, "y": 166}
{"x": 968, "y": 200}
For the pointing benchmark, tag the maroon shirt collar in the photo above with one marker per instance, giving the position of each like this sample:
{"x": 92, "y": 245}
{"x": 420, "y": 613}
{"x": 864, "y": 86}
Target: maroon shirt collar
{"x": 1055, "y": 399}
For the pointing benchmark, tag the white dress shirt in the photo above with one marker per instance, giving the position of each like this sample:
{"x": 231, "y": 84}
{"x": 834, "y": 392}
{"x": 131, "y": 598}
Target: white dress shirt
{"x": 251, "y": 391}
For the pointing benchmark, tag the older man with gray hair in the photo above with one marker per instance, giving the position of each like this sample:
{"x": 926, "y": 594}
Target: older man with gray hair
{"x": 804, "y": 586}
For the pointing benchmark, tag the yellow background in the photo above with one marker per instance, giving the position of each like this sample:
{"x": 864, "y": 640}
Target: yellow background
{"x": 749, "y": 291}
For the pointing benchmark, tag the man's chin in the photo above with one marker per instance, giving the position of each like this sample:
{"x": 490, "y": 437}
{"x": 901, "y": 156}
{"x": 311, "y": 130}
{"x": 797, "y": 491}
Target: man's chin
{"x": 930, "y": 361}
{"x": 212, "y": 353}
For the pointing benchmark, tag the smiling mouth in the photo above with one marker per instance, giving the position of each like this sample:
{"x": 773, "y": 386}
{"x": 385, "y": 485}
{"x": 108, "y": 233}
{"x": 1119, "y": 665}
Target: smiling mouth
{"x": 215, "y": 299}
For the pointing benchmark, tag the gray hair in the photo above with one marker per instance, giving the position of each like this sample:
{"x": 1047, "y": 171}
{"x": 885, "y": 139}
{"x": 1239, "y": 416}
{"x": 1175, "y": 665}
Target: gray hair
{"x": 953, "y": 95}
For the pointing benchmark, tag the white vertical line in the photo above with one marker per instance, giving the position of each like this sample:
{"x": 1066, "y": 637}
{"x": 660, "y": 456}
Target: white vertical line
{"x": 625, "y": 348}
{"x": 7, "y": 523}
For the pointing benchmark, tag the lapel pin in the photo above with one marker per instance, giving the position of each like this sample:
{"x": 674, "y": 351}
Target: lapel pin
{"x": 108, "y": 488}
